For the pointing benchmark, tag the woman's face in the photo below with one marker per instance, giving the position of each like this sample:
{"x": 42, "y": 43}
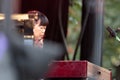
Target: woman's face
{"x": 39, "y": 31}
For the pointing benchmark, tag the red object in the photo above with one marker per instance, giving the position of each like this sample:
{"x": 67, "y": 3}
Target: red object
{"x": 78, "y": 69}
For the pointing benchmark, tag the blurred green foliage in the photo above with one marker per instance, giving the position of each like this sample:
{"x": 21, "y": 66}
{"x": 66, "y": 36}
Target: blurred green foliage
{"x": 74, "y": 25}
{"x": 111, "y": 47}
{"x": 111, "y": 50}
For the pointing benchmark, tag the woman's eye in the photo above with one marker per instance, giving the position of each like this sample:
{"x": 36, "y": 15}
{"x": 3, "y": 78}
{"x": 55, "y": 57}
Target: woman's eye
{"x": 43, "y": 27}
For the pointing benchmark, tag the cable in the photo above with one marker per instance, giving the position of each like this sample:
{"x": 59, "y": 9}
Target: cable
{"x": 61, "y": 29}
{"x": 82, "y": 32}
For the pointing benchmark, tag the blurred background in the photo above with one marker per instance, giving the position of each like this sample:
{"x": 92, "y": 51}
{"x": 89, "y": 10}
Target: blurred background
{"x": 111, "y": 47}
{"x": 71, "y": 24}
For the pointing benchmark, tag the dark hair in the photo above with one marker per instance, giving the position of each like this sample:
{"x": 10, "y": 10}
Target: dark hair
{"x": 38, "y": 15}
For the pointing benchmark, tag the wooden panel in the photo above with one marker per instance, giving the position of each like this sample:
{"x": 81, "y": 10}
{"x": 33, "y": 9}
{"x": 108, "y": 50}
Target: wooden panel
{"x": 78, "y": 69}
{"x": 97, "y": 72}
{"x": 68, "y": 69}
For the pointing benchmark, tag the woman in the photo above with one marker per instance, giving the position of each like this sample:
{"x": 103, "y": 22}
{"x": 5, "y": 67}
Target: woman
{"x": 40, "y": 22}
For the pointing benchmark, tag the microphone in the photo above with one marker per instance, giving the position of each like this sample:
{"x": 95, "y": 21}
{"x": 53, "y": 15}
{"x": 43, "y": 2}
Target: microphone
{"x": 111, "y": 31}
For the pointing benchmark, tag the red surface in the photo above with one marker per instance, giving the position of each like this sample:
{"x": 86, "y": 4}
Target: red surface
{"x": 68, "y": 69}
